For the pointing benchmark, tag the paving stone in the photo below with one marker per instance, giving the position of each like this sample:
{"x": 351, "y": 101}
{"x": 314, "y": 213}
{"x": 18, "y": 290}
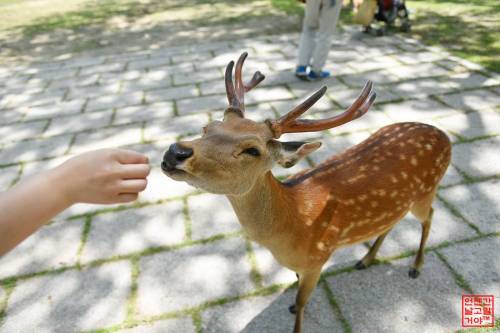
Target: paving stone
{"x": 52, "y": 246}
{"x": 270, "y": 314}
{"x": 478, "y": 203}
{"x": 421, "y": 88}
{"x": 55, "y": 109}
{"x": 114, "y": 101}
{"x": 10, "y": 116}
{"x": 201, "y": 104}
{"x": 304, "y": 89}
{"x": 20, "y": 131}
{"x": 345, "y": 97}
{"x": 162, "y": 111}
{"x": 212, "y": 88}
{"x": 405, "y": 236}
{"x": 35, "y": 149}
{"x": 31, "y": 97}
{"x": 476, "y": 158}
{"x": 128, "y": 75}
{"x": 451, "y": 65}
{"x": 451, "y": 177}
{"x": 191, "y": 276}
{"x": 7, "y": 176}
{"x": 478, "y": 264}
{"x": 384, "y": 299}
{"x": 205, "y": 75}
{"x": 172, "y": 128}
{"x": 33, "y": 168}
{"x": 378, "y": 77}
{"x": 57, "y": 74}
{"x": 149, "y": 81}
{"x": 472, "y": 124}
{"x": 77, "y": 82}
{"x": 106, "y": 138}
{"x": 473, "y": 100}
{"x": 93, "y": 91}
{"x": 192, "y": 58}
{"x": 104, "y": 68}
{"x": 184, "y": 325}
{"x": 283, "y": 107}
{"x": 413, "y": 58}
{"x": 71, "y": 301}
{"x": 79, "y": 122}
{"x": 149, "y": 63}
{"x": 134, "y": 230}
{"x": 415, "y": 110}
{"x": 210, "y": 215}
{"x": 470, "y": 80}
{"x": 171, "y": 93}
{"x": 83, "y": 61}
{"x": 259, "y": 95}
{"x": 417, "y": 71}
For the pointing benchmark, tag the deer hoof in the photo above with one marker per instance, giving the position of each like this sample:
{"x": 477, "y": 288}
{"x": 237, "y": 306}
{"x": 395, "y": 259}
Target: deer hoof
{"x": 413, "y": 273}
{"x": 360, "y": 265}
{"x": 292, "y": 309}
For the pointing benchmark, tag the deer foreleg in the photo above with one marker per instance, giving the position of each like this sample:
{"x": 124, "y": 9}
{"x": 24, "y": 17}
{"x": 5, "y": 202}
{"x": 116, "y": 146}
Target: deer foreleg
{"x": 307, "y": 283}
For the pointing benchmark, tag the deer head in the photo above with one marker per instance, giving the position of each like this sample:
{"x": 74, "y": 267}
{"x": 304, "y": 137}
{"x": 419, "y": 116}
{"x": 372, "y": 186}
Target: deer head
{"x": 232, "y": 154}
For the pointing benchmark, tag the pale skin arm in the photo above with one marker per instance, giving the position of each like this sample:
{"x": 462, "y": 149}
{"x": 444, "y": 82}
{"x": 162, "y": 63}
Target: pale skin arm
{"x": 101, "y": 177}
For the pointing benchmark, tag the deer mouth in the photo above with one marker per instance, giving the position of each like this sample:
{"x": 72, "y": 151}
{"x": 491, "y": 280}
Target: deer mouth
{"x": 171, "y": 170}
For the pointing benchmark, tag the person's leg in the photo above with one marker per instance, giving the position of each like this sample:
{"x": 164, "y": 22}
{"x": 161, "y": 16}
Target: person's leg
{"x": 309, "y": 28}
{"x": 328, "y": 18}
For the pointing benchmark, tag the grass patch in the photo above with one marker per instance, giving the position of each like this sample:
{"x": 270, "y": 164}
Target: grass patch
{"x": 469, "y": 29}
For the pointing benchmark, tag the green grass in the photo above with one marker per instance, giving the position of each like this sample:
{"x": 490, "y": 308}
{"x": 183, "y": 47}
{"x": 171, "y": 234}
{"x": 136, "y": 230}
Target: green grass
{"x": 469, "y": 29}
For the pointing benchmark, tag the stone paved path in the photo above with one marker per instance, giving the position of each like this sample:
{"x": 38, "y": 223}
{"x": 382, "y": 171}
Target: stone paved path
{"x": 176, "y": 261}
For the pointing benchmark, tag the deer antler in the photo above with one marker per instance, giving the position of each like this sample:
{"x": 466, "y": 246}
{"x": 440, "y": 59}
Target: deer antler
{"x": 236, "y": 93}
{"x": 290, "y": 124}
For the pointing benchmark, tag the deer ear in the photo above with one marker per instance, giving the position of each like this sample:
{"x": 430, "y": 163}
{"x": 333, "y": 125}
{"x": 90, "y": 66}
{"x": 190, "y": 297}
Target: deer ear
{"x": 293, "y": 151}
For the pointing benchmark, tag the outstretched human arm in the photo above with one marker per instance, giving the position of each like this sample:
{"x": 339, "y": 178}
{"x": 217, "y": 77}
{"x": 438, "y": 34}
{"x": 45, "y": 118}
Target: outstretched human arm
{"x": 102, "y": 177}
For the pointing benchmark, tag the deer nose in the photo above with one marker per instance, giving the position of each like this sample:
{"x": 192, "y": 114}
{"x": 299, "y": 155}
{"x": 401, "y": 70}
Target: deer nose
{"x": 174, "y": 156}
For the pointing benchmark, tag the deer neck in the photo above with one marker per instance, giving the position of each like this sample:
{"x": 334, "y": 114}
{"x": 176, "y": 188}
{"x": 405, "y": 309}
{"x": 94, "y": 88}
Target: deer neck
{"x": 263, "y": 210}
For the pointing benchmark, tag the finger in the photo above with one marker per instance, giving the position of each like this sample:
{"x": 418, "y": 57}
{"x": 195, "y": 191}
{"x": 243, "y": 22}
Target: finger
{"x": 131, "y": 171}
{"x": 127, "y": 197}
{"x": 131, "y": 157}
{"x": 133, "y": 185}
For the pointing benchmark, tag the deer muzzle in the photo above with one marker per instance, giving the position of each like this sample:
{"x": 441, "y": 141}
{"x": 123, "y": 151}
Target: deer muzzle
{"x": 175, "y": 155}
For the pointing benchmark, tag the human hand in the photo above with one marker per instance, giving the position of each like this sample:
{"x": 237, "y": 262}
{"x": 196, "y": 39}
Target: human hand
{"x": 103, "y": 176}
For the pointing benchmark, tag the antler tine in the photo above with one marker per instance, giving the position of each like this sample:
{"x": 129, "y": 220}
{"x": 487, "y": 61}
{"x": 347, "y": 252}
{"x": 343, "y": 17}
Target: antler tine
{"x": 239, "y": 86}
{"x": 257, "y": 78}
{"x": 228, "y": 79}
{"x": 290, "y": 124}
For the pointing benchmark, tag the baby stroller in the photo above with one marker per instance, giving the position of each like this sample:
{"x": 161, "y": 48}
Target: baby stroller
{"x": 393, "y": 13}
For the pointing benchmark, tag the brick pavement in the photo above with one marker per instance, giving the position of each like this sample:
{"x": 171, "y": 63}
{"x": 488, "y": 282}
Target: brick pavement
{"x": 176, "y": 261}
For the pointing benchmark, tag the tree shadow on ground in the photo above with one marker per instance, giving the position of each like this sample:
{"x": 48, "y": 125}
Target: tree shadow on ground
{"x": 152, "y": 24}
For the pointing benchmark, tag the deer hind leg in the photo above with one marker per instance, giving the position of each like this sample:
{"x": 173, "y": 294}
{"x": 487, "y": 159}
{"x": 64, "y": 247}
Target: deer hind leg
{"x": 307, "y": 283}
{"x": 372, "y": 253}
{"x": 423, "y": 211}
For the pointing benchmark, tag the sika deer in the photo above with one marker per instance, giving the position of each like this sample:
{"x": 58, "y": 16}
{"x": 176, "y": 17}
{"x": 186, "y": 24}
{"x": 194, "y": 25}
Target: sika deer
{"x": 351, "y": 197}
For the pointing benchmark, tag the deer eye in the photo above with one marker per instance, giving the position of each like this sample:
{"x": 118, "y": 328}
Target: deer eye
{"x": 251, "y": 151}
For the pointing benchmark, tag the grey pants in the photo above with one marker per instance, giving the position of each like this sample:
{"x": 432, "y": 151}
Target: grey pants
{"x": 319, "y": 25}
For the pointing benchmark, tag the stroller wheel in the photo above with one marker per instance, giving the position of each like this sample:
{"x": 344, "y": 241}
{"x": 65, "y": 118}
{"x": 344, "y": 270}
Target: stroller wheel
{"x": 405, "y": 26}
